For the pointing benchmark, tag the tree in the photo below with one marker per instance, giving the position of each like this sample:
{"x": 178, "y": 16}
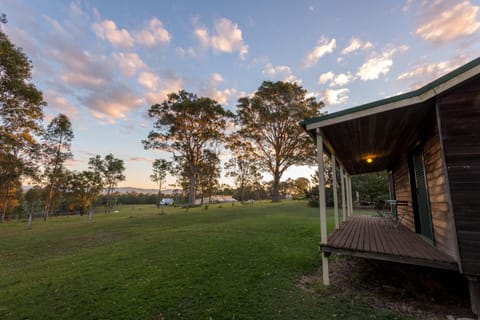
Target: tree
{"x": 85, "y": 186}
{"x": 269, "y": 120}
{"x": 208, "y": 173}
{"x": 21, "y": 111}
{"x": 371, "y": 187}
{"x": 186, "y": 125}
{"x": 243, "y": 164}
{"x": 58, "y": 140}
{"x": 112, "y": 173}
{"x": 160, "y": 169}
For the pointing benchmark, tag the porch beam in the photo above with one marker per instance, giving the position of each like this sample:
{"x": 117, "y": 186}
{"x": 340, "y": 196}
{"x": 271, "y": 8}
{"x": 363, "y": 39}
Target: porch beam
{"x": 322, "y": 206}
{"x": 334, "y": 189}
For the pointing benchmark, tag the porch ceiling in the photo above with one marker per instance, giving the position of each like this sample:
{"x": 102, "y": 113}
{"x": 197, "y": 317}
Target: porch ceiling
{"x": 383, "y": 137}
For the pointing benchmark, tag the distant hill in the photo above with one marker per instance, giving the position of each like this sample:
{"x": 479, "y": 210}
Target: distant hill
{"x": 125, "y": 190}
{"x": 141, "y": 190}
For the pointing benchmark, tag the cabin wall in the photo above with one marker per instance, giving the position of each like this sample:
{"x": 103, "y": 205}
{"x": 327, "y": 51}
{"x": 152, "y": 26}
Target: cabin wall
{"x": 443, "y": 227}
{"x": 459, "y": 117}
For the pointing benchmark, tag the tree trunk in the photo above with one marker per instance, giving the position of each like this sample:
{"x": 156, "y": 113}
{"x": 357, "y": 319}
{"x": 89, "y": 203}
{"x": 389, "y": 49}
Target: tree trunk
{"x": 276, "y": 187}
{"x": 5, "y": 202}
{"x": 191, "y": 187}
{"x": 48, "y": 202}
{"x": 242, "y": 192}
{"x": 30, "y": 217}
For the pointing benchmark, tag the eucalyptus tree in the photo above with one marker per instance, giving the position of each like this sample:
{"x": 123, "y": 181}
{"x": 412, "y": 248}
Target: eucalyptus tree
{"x": 58, "y": 141}
{"x": 208, "y": 174}
{"x": 85, "y": 186}
{"x": 185, "y": 125}
{"x": 242, "y": 166}
{"x": 21, "y": 113}
{"x": 161, "y": 167}
{"x": 112, "y": 174}
{"x": 269, "y": 121}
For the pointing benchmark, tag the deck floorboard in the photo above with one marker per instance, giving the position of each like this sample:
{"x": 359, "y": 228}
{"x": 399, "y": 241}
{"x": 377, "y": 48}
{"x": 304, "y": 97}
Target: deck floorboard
{"x": 384, "y": 239}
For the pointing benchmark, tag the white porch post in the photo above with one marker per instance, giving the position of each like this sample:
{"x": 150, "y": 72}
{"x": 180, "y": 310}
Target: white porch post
{"x": 334, "y": 189}
{"x": 343, "y": 187}
{"x": 349, "y": 192}
{"x": 322, "y": 206}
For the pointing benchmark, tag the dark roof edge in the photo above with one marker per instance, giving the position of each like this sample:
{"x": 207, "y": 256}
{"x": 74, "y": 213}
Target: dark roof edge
{"x": 400, "y": 97}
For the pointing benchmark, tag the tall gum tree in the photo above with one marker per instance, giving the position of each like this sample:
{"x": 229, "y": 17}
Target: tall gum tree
{"x": 21, "y": 113}
{"x": 269, "y": 120}
{"x": 112, "y": 174}
{"x": 160, "y": 168}
{"x": 242, "y": 166}
{"x": 58, "y": 141}
{"x": 185, "y": 125}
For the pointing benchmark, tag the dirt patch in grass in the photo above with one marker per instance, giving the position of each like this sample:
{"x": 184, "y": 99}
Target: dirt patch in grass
{"x": 422, "y": 293}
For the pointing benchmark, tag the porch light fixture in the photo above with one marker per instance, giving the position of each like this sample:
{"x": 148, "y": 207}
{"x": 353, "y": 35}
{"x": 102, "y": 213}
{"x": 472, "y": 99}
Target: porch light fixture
{"x": 369, "y": 160}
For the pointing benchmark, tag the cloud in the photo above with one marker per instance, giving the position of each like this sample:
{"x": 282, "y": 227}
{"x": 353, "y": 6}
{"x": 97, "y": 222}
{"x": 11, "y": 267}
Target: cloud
{"x": 426, "y": 72}
{"x": 181, "y": 52}
{"x": 336, "y": 80}
{"x": 59, "y": 104}
{"x": 226, "y": 38}
{"x": 153, "y": 34}
{"x": 379, "y": 64}
{"x": 336, "y": 96}
{"x": 324, "y": 46}
{"x": 83, "y": 79}
{"x": 201, "y": 33}
{"x": 210, "y": 89}
{"x": 113, "y": 103}
{"x": 325, "y": 77}
{"x": 129, "y": 62}
{"x": 407, "y": 6}
{"x": 355, "y": 45}
{"x": 149, "y": 80}
{"x": 150, "y": 160}
{"x": 82, "y": 68}
{"x": 283, "y": 73}
{"x": 107, "y": 30}
{"x": 160, "y": 89}
{"x": 445, "y": 21}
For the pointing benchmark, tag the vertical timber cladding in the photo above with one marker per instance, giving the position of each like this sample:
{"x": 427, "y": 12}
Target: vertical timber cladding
{"x": 459, "y": 114}
{"x": 443, "y": 226}
{"x": 403, "y": 192}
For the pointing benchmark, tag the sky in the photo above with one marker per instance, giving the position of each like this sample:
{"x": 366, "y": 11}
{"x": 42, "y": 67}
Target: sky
{"x": 104, "y": 63}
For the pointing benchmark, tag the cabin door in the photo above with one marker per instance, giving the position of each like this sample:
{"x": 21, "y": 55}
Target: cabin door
{"x": 421, "y": 203}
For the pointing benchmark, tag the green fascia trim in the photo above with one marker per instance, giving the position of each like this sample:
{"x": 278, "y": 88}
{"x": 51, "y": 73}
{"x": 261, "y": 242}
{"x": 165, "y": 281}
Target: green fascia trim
{"x": 400, "y": 97}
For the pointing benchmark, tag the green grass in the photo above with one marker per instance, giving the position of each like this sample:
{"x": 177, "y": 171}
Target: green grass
{"x": 239, "y": 262}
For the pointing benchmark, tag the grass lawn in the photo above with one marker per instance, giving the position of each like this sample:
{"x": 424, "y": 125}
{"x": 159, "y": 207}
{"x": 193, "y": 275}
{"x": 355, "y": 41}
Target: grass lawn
{"x": 241, "y": 262}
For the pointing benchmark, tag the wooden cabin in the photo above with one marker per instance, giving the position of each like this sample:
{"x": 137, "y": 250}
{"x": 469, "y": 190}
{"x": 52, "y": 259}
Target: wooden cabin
{"x": 429, "y": 142}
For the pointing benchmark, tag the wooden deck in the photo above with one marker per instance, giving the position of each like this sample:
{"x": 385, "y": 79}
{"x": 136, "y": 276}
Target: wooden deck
{"x": 383, "y": 239}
